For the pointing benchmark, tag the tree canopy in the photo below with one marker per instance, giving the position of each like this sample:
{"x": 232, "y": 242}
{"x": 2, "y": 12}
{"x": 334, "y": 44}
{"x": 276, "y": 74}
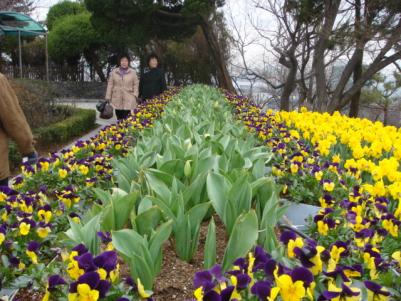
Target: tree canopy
{"x": 138, "y": 22}
{"x": 73, "y": 36}
{"x": 62, "y": 9}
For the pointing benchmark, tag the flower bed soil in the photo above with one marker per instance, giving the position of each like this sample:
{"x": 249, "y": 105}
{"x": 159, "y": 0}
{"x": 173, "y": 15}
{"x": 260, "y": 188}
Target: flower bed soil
{"x": 175, "y": 279}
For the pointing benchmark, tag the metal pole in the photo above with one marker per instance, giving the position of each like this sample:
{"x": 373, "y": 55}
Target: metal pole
{"x": 47, "y": 60}
{"x": 20, "y": 53}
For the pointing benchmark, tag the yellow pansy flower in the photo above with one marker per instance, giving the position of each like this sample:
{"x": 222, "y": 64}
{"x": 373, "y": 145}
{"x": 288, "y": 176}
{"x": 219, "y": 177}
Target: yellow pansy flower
{"x": 83, "y": 169}
{"x": 289, "y": 290}
{"x": 44, "y": 215}
{"x": 397, "y": 256}
{"x": 114, "y": 274}
{"x": 198, "y": 294}
{"x": 322, "y": 228}
{"x": 102, "y": 273}
{"x": 328, "y": 186}
{"x": 32, "y": 256}
{"x": 141, "y": 290}
{"x": 85, "y": 293}
{"x": 390, "y": 227}
{"x": 3, "y": 197}
{"x": 24, "y": 228}
{"x": 62, "y": 173}
{"x": 43, "y": 232}
{"x": 292, "y": 244}
{"x": 317, "y": 261}
{"x": 44, "y": 166}
{"x": 74, "y": 270}
{"x": 318, "y": 175}
{"x": 294, "y": 168}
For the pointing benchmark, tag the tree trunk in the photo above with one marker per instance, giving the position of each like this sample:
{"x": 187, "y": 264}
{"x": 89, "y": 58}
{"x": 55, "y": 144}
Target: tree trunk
{"x": 373, "y": 68}
{"x": 99, "y": 71}
{"x": 382, "y": 60}
{"x": 94, "y": 60}
{"x": 330, "y": 13}
{"x": 289, "y": 85}
{"x": 320, "y": 77}
{"x": 303, "y": 94}
{"x": 354, "y": 107}
{"x": 223, "y": 76}
{"x": 385, "y": 117}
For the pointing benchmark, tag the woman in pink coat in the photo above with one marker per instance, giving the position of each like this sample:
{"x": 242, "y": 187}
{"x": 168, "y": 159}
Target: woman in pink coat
{"x": 122, "y": 88}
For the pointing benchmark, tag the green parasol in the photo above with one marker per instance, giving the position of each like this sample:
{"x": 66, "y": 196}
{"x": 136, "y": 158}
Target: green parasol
{"x": 20, "y": 25}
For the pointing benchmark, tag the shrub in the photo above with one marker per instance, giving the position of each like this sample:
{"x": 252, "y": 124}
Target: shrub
{"x": 37, "y": 101}
{"x": 79, "y": 122}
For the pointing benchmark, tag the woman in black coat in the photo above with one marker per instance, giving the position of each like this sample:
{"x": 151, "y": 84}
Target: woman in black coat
{"x": 152, "y": 82}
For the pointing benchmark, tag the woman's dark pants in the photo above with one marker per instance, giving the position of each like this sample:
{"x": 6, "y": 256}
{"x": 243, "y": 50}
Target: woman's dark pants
{"x": 122, "y": 114}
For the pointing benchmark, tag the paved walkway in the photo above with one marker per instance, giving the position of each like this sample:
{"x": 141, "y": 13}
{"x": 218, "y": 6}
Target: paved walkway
{"x": 88, "y": 104}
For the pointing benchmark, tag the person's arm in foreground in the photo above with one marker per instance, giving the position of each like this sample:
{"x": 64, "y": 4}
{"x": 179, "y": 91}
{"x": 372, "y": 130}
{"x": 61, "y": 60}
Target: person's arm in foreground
{"x": 13, "y": 120}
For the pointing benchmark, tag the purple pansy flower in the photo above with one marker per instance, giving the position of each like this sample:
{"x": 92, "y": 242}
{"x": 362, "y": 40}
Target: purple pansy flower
{"x": 55, "y": 280}
{"x": 106, "y": 260}
{"x": 262, "y": 289}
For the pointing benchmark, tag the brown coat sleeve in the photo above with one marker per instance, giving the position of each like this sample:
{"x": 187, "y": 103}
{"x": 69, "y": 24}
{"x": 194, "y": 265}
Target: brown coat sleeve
{"x": 12, "y": 119}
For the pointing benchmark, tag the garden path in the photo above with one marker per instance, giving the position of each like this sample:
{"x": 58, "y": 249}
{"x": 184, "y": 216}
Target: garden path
{"x": 87, "y": 104}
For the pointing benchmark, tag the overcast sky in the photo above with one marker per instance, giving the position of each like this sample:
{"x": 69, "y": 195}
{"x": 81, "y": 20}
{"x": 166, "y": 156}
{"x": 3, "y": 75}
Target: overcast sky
{"x": 42, "y": 8}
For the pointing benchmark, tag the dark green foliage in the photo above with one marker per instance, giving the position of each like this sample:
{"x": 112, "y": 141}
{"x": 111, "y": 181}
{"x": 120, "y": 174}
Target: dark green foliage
{"x": 80, "y": 121}
{"x": 382, "y": 89}
{"x": 36, "y": 100}
{"x": 140, "y": 21}
{"x": 121, "y": 22}
{"x": 63, "y": 9}
{"x": 306, "y": 11}
{"x": 188, "y": 61}
{"x": 72, "y": 36}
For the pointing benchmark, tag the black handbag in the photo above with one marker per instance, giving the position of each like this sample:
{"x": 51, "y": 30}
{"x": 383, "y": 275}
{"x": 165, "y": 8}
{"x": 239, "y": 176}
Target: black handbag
{"x": 100, "y": 105}
{"x": 105, "y": 109}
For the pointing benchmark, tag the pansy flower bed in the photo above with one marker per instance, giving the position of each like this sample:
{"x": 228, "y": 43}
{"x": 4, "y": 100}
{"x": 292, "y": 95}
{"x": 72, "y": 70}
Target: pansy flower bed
{"x": 43, "y": 199}
{"x": 106, "y": 209}
{"x": 260, "y": 277}
{"x": 335, "y": 162}
{"x": 89, "y": 277}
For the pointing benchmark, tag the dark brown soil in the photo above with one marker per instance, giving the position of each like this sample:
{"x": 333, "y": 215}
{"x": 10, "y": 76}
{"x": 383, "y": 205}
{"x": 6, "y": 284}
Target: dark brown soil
{"x": 175, "y": 279}
{"x": 26, "y": 294}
